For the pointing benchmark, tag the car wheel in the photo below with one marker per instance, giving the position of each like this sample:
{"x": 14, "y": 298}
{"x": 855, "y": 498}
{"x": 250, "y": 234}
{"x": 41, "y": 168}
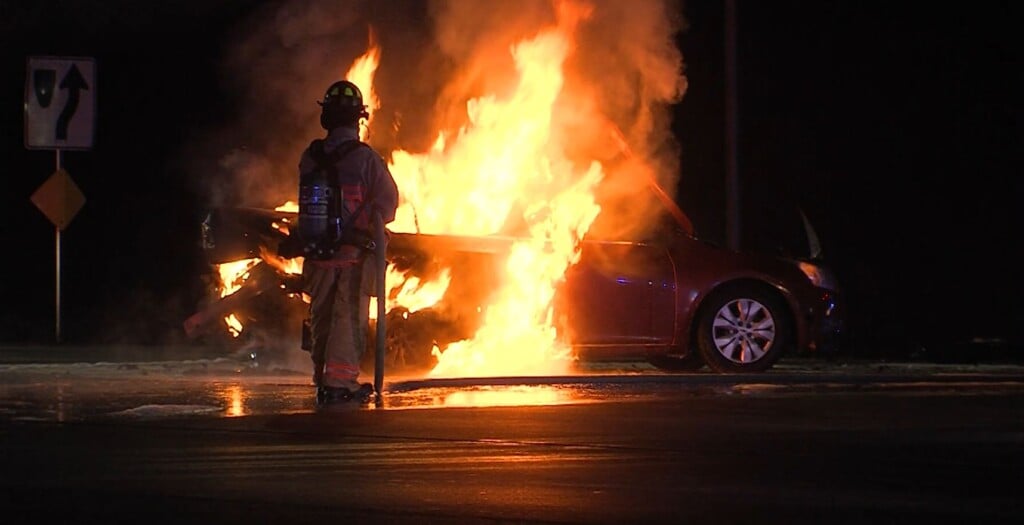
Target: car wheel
{"x": 691, "y": 362}
{"x": 743, "y": 329}
{"x": 407, "y": 345}
{"x": 410, "y": 340}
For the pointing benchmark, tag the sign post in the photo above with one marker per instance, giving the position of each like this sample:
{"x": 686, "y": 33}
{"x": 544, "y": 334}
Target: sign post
{"x": 59, "y": 199}
{"x": 60, "y": 113}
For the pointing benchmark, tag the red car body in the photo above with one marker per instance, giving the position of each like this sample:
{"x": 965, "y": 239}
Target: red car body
{"x": 628, "y": 300}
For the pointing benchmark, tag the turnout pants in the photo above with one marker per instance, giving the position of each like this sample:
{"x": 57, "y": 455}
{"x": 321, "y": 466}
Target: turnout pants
{"x": 339, "y": 321}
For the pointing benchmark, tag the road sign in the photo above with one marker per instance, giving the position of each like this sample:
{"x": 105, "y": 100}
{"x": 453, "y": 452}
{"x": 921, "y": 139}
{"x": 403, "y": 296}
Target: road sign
{"x": 60, "y": 103}
{"x": 59, "y": 199}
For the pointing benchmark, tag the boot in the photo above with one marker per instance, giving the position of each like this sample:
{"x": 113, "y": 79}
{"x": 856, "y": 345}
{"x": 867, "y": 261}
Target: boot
{"x": 329, "y": 395}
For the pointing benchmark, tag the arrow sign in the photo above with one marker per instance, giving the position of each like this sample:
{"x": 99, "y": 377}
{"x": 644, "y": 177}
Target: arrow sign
{"x": 61, "y": 116}
{"x": 73, "y": 82}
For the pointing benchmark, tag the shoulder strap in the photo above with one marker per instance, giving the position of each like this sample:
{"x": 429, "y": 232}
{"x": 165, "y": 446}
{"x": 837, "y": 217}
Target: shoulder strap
{"x": 328, "y": 161}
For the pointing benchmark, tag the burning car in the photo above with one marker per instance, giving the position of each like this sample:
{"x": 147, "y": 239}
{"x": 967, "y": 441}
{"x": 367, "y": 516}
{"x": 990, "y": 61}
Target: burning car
{"x": 531, "y": 230}
{"x": 674, "y": 300}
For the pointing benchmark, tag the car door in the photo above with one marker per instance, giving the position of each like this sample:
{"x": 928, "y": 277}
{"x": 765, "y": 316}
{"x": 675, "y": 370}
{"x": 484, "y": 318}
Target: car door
{"x": 618, "y": 293}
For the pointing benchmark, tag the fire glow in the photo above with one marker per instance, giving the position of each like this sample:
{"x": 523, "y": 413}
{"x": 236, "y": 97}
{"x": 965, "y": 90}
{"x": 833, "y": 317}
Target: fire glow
{"x": 504, "y": 161}
{"x": 523, "y": 142}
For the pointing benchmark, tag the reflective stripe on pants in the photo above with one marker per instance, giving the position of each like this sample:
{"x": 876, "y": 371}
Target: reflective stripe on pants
{"x": 339, "y": 320}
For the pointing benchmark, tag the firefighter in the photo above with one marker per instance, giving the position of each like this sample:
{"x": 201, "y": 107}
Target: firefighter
{"x": 343, "y": 184}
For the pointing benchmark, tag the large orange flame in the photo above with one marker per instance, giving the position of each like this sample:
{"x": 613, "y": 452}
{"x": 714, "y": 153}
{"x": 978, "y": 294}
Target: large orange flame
{"x": 503, "y": 167}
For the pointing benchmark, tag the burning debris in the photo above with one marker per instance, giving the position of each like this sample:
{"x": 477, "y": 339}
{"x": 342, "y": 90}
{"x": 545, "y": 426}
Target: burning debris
{"x": 265, "y": 293}
{"x": 237, "y": 244}
{"x": 526, "y": 155}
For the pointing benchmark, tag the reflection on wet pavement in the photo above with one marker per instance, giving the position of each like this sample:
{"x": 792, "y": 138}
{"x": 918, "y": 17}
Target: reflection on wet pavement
{"x": 229, "y": 388}
{"x": 152, "y": 398}
{"x": 486, "y": 396}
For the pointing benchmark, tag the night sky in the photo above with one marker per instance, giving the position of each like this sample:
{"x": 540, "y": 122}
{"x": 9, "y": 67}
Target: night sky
{"x": 894, "y": 126}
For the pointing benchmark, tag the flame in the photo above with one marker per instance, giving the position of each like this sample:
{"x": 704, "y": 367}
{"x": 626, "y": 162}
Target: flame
{"x": 290, "y": 206}
{"x": 286, "y": 266}
{"x": 234, "y": 325}
{"x": 413, "y": 294}
{"x": 233, "y": 274}
{"x": 410, "y": 292}
{"x": 361, "y": 74}
{"x": 503, "y": 166}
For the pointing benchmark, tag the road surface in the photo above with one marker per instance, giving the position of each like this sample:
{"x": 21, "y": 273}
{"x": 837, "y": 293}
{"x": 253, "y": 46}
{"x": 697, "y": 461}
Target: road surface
{"x": 216, "y": 441}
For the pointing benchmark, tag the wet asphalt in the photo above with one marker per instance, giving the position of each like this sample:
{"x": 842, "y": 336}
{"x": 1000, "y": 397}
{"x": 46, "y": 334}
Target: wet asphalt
{"x": 226, "y": 439}
{"x": 67, "y": 383}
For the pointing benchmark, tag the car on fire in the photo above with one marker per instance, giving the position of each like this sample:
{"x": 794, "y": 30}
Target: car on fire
{"x": 672, "y": 299}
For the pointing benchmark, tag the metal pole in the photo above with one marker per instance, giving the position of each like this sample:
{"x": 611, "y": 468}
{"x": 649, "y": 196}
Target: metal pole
{"x": 57, "y": 265}
{"x": 732, "y": 180}
{"x": 381, "y": 242}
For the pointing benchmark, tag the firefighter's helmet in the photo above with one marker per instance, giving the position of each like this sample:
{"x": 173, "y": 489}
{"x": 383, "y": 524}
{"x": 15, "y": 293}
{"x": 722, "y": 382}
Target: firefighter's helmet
{"x": 342, "y": 105}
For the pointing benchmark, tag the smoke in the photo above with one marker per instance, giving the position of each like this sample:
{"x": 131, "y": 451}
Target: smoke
{"x": 276, "y": 66}
{"x": 622, "y": 78}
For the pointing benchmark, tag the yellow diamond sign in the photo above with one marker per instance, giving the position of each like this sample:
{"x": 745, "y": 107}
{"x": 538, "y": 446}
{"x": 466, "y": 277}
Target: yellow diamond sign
{"x": 59, "y": 199}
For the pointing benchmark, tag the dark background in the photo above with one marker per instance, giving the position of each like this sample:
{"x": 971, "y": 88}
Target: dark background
{"x": 892, "y": 125}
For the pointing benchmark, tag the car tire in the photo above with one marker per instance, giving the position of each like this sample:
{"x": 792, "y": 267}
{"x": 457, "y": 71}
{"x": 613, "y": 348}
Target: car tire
{"x": 743, "y": 329}
{"x": 690, "y": 362}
